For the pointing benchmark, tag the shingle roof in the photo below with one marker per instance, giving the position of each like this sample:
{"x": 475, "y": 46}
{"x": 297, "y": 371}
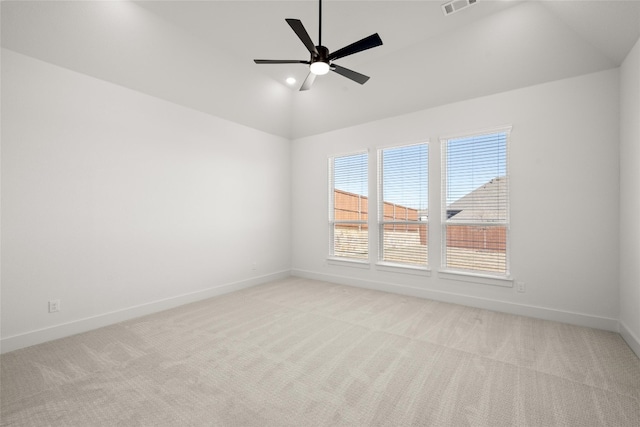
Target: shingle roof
{"x": 486, "y": 203}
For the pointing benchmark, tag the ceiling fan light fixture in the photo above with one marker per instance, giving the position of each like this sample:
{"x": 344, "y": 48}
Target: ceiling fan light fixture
{"x": 321, "y": 60}
{"x": 319, "y": 68}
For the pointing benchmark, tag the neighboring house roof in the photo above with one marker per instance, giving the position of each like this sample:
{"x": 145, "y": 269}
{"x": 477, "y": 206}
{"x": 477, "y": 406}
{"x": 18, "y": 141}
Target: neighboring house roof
{"x": 486, "y": 203}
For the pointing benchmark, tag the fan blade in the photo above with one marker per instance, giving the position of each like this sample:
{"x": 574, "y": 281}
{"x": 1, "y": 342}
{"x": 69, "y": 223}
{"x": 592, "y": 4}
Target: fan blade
{"x": 280, "y": 61}
{"x": 308, "y": 82}
{"x": 366, "y": 43}
{"x": 350, "y": 74}
{"x": 298, "y": 28}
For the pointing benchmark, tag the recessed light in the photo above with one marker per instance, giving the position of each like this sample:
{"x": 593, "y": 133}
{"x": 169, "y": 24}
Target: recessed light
{"x": 290, "y": 80}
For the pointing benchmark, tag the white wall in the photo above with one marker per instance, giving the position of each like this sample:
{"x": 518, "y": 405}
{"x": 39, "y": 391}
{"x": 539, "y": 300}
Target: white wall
{"x": 119, "y": 204}
{"x": 564, "y": 194}
{"x": 125, "y": 43}
{"x": 112, "y": 201}
{"x": 630, "y": 198}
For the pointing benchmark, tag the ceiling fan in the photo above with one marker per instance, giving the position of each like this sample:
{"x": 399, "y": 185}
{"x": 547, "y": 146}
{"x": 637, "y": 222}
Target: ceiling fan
{"x": 321, "y": 61}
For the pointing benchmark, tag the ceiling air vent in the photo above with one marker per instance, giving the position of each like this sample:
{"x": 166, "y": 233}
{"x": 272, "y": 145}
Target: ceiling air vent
{"x": 456, "y": 6}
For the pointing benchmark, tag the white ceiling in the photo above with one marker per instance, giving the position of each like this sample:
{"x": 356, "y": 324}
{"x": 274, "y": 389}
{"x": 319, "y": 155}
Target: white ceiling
{"x": 200, "y": 53}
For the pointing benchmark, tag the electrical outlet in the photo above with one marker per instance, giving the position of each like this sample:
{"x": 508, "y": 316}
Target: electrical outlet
{"x": 54, "y": 305}
{"x": 520, "y": 287}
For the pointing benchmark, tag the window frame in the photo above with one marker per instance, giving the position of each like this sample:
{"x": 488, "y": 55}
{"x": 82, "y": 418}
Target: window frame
{"x": 332, "y": 257}
{"x": 381, "y": 222}
{"x": 476, "y": 275}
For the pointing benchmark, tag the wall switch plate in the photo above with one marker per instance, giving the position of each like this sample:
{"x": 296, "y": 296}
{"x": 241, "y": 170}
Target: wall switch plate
{"x": 520, "y": 287}
{"x": 54, "y": 305}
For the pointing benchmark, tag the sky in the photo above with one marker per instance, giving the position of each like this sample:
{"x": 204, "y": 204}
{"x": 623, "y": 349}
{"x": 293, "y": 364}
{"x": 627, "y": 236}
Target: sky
{"x": 474, "y": 161}
{"x": 405, "y": 176}
{"x": 350, "y": 173}
{"x": 470, "y": 163}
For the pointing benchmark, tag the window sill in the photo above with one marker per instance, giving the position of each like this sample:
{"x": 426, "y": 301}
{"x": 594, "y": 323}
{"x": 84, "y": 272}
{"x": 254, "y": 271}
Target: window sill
{"x": 403, "y": 268}
{"x": 347, "y": 262}
{"x": 484, "y": 279}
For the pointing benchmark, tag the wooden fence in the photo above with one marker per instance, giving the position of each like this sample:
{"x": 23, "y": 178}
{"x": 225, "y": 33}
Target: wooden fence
{"x": 355, "y": 207}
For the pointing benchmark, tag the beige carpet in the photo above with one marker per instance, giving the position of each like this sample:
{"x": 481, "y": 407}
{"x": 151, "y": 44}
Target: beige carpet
{"x": 303, "y": 353}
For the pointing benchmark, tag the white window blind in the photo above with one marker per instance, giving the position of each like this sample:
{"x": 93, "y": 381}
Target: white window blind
{"x": 476, "y": 203}
{"x": 403, "y": 174}
{"x": 349, "y": 206}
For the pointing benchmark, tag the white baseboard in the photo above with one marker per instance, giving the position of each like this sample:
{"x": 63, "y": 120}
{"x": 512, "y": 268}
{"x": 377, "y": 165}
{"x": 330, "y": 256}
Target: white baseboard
{"x": 580, "y": 319}
{"x": 83, "y": 325}
{"x": 632, "y": 340}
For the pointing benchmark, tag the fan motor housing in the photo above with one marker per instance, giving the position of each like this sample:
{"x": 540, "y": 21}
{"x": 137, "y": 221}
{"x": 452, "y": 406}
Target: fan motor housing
{"x": 321, "y": 56}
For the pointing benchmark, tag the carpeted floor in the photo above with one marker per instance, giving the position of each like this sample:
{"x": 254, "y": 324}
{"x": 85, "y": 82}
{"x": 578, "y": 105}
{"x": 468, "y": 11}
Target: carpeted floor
{"x": 303, "y": 353}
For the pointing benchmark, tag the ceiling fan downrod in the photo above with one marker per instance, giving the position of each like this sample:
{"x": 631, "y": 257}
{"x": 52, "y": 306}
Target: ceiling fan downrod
{"x": 320, "y": 22}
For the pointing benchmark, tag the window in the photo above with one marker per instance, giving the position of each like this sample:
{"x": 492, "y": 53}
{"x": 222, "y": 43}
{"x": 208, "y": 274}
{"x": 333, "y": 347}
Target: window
{"x": 403, "y": 204}
{"x": 349, "y": 206}
{"x": 475, "y": 203}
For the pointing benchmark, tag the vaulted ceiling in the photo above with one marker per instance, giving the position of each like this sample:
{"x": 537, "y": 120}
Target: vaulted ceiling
{"x": 200, "y": 53}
